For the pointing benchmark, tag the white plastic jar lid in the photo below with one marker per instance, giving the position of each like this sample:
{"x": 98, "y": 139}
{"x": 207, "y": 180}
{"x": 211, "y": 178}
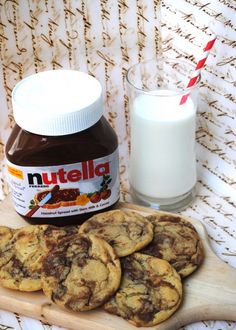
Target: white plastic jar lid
{"x": 57, "y": 102}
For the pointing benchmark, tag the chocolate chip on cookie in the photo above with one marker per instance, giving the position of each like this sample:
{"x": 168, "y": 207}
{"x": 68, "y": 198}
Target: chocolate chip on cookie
{"x": 125, "y": 231}
{"x": 81, "y": 273}
{"x": 177, "y": 241}
{"x": 22, "y": 251}
{"x": 149, "y": 293}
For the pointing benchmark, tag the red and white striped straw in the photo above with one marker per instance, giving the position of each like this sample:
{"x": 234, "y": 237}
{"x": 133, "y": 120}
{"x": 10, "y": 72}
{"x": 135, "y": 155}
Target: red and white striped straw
{"x": 200, "y": 64}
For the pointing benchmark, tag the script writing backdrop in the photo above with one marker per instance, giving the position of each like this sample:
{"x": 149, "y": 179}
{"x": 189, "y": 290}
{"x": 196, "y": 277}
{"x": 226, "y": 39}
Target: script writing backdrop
{"x": 104, "y": 38}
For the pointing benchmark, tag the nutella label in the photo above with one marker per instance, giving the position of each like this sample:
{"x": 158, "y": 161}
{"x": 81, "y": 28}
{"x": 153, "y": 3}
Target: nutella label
{"x": 65, "y": 190}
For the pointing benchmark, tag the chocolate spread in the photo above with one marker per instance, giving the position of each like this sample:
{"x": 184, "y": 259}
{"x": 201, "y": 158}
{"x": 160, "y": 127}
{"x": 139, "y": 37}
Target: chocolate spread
{"x": 28, "y": 149}
{"x": 62, "y": 195}
{"x": 62, "y": 155}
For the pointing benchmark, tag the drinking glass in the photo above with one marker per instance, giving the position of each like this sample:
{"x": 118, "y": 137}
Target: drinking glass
{"x": 162, "y": 168}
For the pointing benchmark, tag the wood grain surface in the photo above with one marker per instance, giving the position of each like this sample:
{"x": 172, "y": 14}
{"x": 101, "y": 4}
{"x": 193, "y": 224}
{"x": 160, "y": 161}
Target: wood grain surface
{"x": 209, "y": 293}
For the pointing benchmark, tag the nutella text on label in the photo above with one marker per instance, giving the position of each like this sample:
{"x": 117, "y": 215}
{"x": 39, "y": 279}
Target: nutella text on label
{"x": 87, "y": 170}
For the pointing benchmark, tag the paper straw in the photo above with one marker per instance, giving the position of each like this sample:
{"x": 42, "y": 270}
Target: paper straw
{"x": 200, "y": 64}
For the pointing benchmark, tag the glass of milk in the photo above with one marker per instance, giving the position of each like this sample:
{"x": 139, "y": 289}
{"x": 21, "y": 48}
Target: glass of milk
{"x": 162, "y": 167}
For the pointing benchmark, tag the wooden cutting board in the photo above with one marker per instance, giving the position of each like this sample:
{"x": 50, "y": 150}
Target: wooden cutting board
{"x": 209, "y": 293}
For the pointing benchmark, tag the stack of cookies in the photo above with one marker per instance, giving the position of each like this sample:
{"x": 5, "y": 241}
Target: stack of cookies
{"x": 129, "y": 264}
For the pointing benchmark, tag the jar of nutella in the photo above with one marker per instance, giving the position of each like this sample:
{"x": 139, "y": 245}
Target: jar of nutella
{"x": 62, "y": 155}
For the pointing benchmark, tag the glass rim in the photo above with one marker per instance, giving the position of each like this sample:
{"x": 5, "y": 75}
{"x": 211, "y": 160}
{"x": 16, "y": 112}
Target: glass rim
{"x": 153, "y": 92}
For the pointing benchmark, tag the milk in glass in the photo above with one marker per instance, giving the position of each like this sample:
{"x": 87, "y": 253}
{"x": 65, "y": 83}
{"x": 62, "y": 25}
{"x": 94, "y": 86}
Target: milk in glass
{"x": 162, "y": 163}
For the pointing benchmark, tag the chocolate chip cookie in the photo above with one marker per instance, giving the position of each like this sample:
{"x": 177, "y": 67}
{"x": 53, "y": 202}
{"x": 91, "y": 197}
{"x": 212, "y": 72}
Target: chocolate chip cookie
{"x": 125, "y": 231}
{"x": 6, "y": 242}
{"x": 81, "y": 273}
{"x": 22, "y": 251}
{"x": 149, "y": 293}
{"x": 177, "y": 241}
